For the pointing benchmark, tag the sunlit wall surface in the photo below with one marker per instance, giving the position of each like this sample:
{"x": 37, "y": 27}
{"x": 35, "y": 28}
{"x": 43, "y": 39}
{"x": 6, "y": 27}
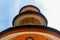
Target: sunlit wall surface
{"x": 10, "y": 8}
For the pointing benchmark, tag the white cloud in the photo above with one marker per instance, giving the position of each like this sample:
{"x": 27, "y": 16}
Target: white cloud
{"x": 52, "y": 12}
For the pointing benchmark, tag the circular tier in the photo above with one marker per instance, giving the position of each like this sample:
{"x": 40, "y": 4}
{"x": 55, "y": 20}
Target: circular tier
{"x": 29, "y": 8}
{"x": 30, "y": 32}
{"x": 29, "y": 18}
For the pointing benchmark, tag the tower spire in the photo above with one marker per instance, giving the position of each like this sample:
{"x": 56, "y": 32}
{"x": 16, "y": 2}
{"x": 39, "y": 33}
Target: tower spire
{"x": 29, "y": 15}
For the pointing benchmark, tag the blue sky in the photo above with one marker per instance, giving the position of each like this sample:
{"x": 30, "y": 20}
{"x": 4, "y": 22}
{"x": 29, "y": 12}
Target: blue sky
{"x": 10, "y": 8}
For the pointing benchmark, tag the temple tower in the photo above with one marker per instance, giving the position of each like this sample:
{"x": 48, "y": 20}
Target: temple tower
{"x": 30, "y": 24}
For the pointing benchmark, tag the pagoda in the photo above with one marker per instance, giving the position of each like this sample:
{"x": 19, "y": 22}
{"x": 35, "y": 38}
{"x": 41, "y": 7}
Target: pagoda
{"x": 30, "y": 24}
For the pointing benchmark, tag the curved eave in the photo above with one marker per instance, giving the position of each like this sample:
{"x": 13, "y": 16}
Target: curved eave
{"x": 29, "y": 26}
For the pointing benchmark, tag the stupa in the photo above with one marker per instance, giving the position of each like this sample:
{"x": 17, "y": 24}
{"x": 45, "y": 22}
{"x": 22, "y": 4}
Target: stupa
{"x": 30, "y": 24}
